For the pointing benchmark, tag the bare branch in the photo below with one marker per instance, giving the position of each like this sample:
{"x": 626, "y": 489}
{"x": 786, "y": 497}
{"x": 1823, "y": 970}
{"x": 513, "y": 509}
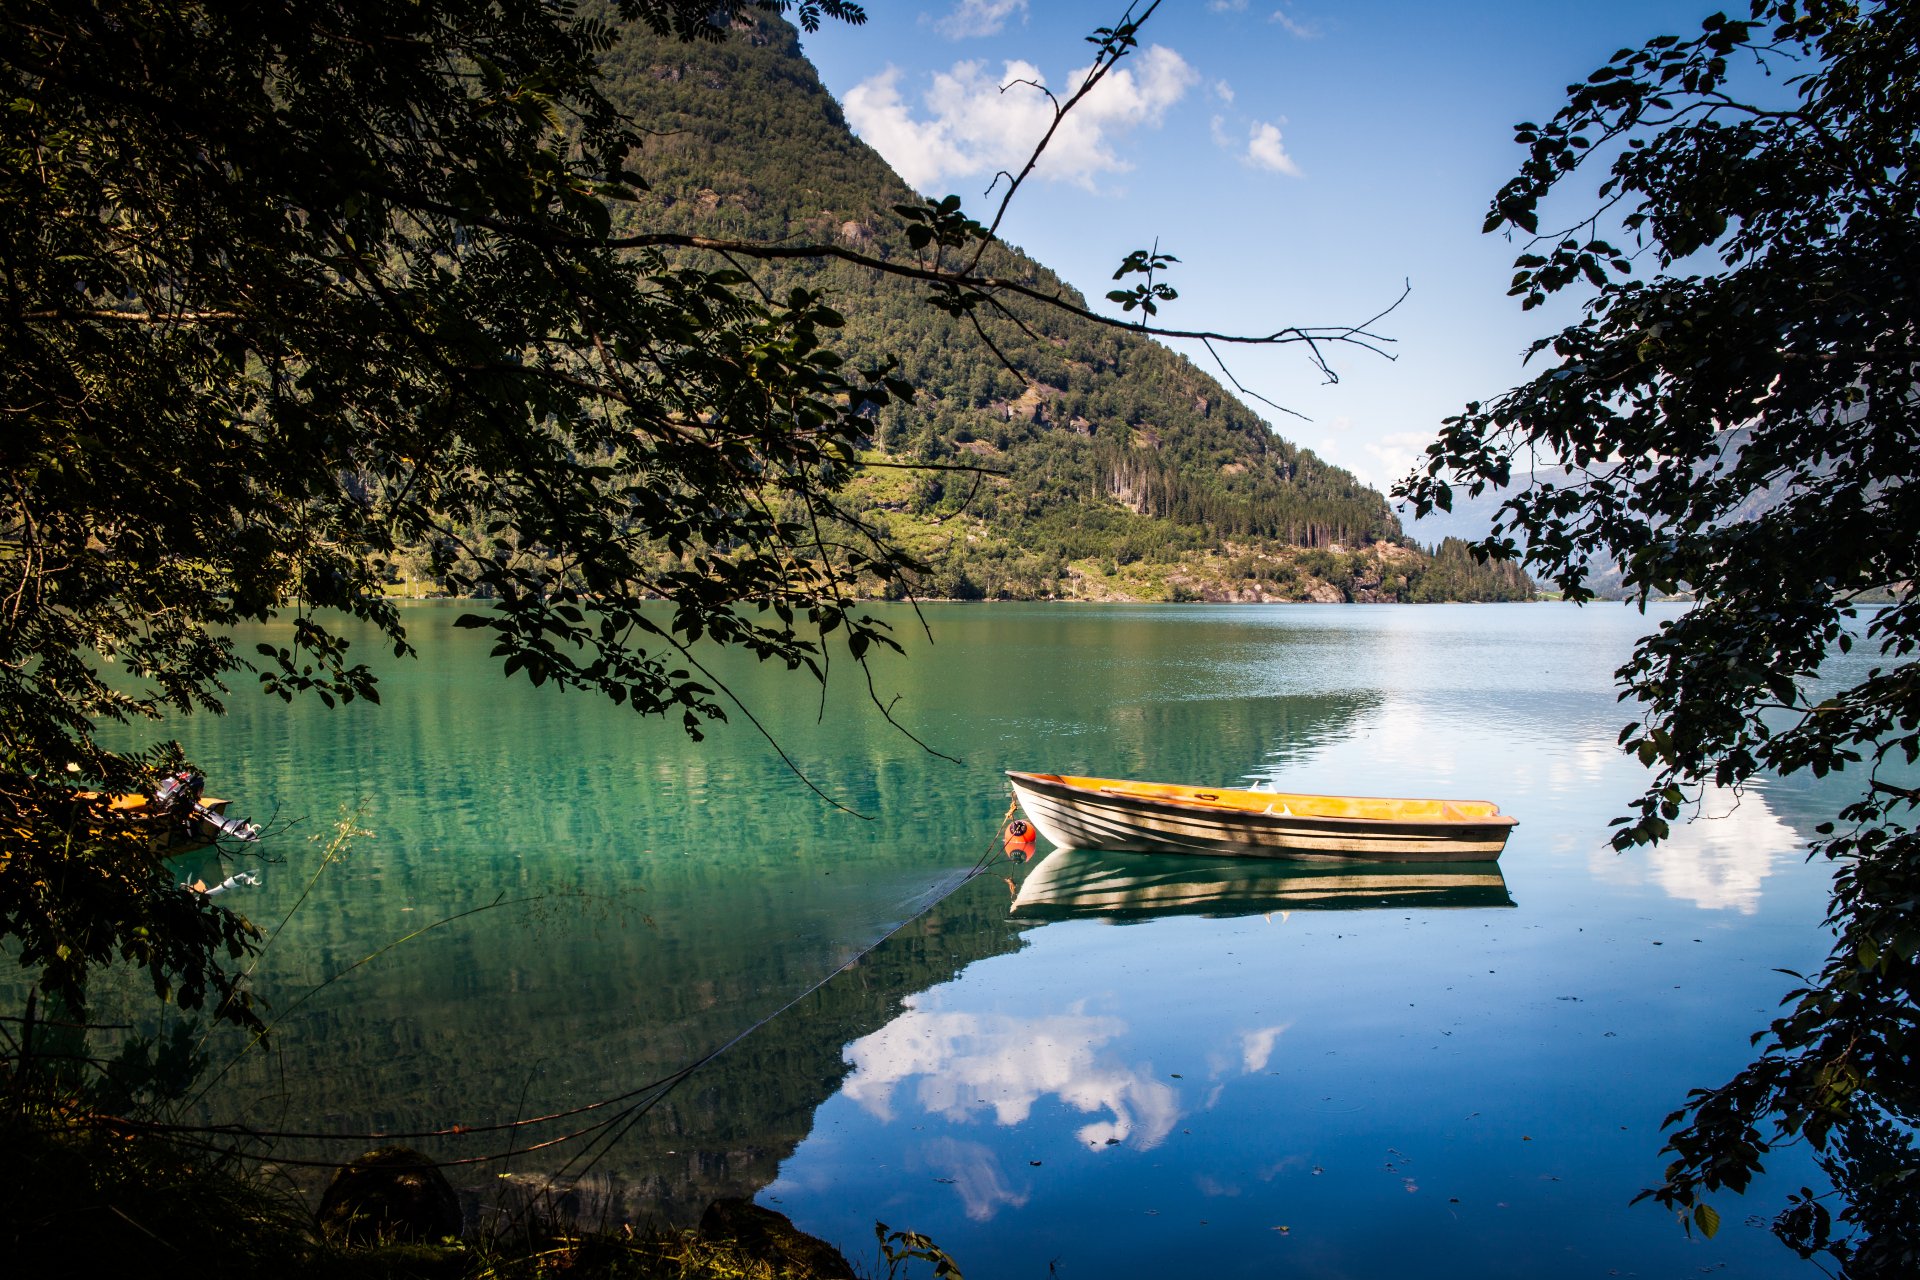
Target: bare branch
{"x": 1110, "y": 53}
{"x": 1353, "y": 335}
{"x": 1255, "y": 395}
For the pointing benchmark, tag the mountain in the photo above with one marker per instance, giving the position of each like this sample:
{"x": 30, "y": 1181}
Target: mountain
{"x": 1472, "y": 520}
{"x": 1129, "y": 472}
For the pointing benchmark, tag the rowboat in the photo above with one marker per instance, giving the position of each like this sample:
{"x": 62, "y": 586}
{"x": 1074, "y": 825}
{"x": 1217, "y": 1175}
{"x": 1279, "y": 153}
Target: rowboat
{"x": 206, "y": 820}
{"x": 1157, "y": 817}
{"x": 1075, "y": 884}
{"x": 194, "y": 825}
{"x": 176, "y": 818}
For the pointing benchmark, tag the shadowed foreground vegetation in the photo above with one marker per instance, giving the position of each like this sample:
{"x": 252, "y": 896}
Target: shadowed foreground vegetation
{"x": 145, "y": 1205}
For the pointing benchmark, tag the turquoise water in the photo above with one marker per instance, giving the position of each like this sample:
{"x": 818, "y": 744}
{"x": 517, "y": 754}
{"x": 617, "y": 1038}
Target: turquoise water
{"x": 1463, "y": 1085}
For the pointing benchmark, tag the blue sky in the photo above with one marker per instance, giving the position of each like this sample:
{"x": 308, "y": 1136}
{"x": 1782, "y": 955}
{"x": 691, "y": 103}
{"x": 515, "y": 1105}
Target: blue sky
{"x": 1303, "y": 159}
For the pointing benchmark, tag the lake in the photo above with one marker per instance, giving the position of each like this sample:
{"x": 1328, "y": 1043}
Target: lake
{"x": 560, "y": 903}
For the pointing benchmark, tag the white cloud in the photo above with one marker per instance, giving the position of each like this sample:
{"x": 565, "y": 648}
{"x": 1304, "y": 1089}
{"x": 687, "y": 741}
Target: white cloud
{"x": 1218, "y": 128}
{"x": 1395, "y": 455}
{"x": 979, "y": 18}
{"x": 1226, "y": 6}
{"x": 972, "y": 128}
{"x": 1298, "y": 30}
{"x": 919, "y": 153}
{"x": 1266, "y": 151}
{"x": 1223, "y": 91}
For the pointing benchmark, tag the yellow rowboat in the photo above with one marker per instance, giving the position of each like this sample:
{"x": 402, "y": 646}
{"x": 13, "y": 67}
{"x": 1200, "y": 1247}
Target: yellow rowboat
{"x": 177, "y": 818}
{"x": 187, "y": 828}
{"x": 1157, "y": 817}
{"x": 1072, "y": 884}
{"x": 204, "y": 821}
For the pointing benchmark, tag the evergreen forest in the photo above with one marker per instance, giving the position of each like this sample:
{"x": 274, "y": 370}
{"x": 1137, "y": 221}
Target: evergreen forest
{"x": 1045, "y": 456}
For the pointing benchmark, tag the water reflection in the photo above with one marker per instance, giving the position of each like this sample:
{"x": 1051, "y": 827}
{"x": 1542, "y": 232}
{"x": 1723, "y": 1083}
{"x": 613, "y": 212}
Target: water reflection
{"x": 973, "y": 1170}
{"x": 1078, "y": 883}
{"x": 960, "y": 1065}
{"x": 1717, "y": 859}
{"x": 982, "y": 1081}
{"x": 657, "y": 895}
{"x": 662, "y": 896}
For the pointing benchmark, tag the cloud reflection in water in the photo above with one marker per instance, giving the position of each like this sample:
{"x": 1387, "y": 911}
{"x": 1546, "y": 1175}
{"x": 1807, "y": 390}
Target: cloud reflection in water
{"x": 1718, "y": 860}
{"x": 973, "y": 1170}
{"x": 961, "y": 1064}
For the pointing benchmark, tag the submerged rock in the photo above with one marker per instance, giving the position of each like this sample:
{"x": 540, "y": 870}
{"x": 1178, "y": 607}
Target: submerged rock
{"x": 772, "y": 1237}
{"x": 393, "y": 1193}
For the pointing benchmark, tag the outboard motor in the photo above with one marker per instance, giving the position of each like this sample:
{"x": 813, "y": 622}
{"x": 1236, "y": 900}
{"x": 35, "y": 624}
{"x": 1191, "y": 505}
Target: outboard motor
{"x": 227, "y": 828}
{"x": 184, "y": 787}
{"x": 176, "y": 788}
{"x": 180, "y": 793}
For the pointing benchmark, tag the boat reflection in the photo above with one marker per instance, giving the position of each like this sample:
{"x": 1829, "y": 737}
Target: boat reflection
{"x": 1071, "y": 884}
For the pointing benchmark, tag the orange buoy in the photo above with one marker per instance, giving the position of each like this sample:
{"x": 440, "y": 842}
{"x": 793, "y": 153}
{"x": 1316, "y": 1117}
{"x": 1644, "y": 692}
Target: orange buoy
{"x": 1019, "y": 838}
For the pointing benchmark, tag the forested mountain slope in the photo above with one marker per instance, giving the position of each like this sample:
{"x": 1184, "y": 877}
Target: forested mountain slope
{"x": 1129, "y": 473}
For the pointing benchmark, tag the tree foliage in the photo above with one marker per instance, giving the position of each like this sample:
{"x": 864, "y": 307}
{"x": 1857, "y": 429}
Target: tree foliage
{"x": 293, "y": 292}
{"x": 1454, "y": 573}
{"x": 286, "y": 288}
{"x": 1736, "y": 409}
{"x": 748, "y": 151}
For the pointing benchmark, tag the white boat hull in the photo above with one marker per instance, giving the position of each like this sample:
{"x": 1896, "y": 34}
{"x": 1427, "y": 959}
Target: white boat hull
{"x": 1092, "y": 818}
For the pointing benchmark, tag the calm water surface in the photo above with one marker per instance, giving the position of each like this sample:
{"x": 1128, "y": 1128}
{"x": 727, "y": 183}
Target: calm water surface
{"x": 1286, "y": 1081}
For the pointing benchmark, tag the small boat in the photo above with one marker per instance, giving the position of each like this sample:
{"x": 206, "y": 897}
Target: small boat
{"x": 177, "y": 817}
{"x": 199, "y": 819}
{"x": 1077, "y": 884}
{"x": 1157, "y": 817}
{"x": 204, "y": 823}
